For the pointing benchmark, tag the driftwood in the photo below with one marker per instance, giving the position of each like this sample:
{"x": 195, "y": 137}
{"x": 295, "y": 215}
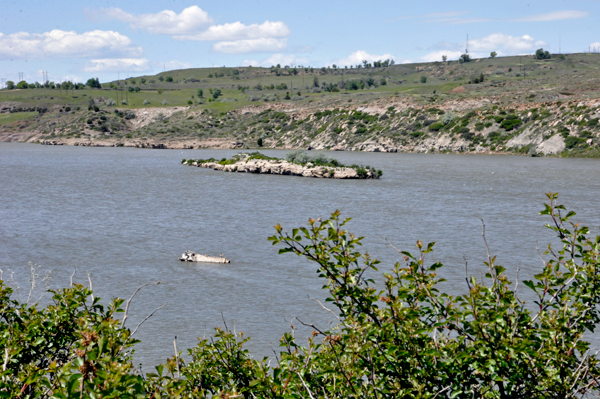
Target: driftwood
{"x": 189, "y": 256}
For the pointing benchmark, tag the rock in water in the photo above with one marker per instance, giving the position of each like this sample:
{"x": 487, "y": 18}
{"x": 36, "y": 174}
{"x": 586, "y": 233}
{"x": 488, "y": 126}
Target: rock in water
{"x": 189, "y": 256}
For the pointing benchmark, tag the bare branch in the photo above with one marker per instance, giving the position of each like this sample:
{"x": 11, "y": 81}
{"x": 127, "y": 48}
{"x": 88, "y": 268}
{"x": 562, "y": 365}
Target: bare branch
{"x": 176, "y": 356}
{"x": 6, "y": 358}
{"x": 392, "y": 245}
{"x": 487, "y": 248}
{"x": 305, "y": 386}
{"x": 147, "y": 317}
{"x": 73, "y": 275}
{"x": 130, "y": 299}
{"x": 35, "y": 281}
{"x": 224, "y": 322}
{"x": 517, "y": 280}
{"x": 325, "y": 308}
{"x": 467, "y": 272}
{"x": 445, "y": 389}
{"x": 537, "y": 248}
{"x": 91, "y": 286}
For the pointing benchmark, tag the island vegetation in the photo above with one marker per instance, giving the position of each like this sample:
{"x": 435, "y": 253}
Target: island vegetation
{"x": 402, "y": 338}
{"x": 296, "y": 163}
{"x": 541, "y": 104}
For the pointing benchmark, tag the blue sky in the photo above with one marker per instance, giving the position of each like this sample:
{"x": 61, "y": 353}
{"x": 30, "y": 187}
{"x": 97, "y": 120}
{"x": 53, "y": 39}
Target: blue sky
{"x": 77, "y": 40}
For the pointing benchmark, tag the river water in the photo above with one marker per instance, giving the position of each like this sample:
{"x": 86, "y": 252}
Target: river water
{"x": 122, "y": 215}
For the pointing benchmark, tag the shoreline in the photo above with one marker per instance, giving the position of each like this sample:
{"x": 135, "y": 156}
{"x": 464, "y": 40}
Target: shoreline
{"x": 387, "y": 126}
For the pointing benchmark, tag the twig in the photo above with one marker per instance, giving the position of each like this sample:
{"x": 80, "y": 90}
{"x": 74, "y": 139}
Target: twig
{"x": 224, "y": 322}
{"x": 91, "y": 286}
{"x": 487, "y": 248}
{"x": 73, "y": 275}
{"x": 176, "y": 356}
{"x": 305, "y": 386}
{"x": 130, "y": 299}
{"x": 147, "y": 317}
{"x": 392, "y": 245}
{"x": 445, "y": 389}
{"x": 325, "y": 308}
{"x": 5, "y": 359}
{"x": 517, "y": 280}
{"x": 537, "y": 248}
{"x": 467, "y": 272}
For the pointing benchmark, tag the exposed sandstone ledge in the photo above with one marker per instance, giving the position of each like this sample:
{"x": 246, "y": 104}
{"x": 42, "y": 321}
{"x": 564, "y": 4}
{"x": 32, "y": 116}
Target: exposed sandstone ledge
{"x": 283, "y": 167}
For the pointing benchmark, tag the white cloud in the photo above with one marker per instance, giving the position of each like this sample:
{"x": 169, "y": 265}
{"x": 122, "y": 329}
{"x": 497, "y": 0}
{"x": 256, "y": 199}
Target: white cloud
{"x": 265, "y": 45}
{"x": 118, "y": 64}
{"x": 480, "y": 48}
{"x": 191, "y": 20}
{"x": 73, "y": 78}
{"x": 239, "y": 31}
{"x": 282, "y": 59}
{"x": 59, "y": 43}
{"x": 554, "y": 16}
{"x": 358, "y": 56}
{"x": 173, "y": 64}
{"x": 193, "y": 23}
{"x": 505, "y": 44}
{"x": 460, "y": 17}
{"x": 431, "y": 16}
{"x": 437, "y": 55}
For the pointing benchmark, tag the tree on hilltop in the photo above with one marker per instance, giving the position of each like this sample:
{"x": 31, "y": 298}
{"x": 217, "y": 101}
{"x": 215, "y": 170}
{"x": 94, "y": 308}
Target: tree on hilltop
{"x": 540, "y": 54}
{"x": 94, "y": 83}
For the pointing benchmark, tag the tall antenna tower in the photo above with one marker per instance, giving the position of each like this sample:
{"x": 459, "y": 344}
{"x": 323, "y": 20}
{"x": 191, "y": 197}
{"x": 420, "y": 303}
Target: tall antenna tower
{"x": 3, "y": 83}
{"x": 467, "y": 46}
{"x": 20, "y": 76}
{"x": 559, "y": 43}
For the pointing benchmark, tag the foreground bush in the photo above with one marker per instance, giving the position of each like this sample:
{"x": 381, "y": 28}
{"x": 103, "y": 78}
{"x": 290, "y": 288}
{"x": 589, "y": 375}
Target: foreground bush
{"x": 401, "y": 339}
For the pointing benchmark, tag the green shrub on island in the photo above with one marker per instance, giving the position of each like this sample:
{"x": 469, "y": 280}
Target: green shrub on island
{"x": 243, "y": 156}
{"x": 301, "y": 157}
{"x": 298, "y": 157}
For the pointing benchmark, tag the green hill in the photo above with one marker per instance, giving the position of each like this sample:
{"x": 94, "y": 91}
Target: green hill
{"x": 187, "y": 99}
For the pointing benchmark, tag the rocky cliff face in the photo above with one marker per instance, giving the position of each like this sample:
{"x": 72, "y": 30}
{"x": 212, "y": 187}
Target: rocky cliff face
{"x": 381, "y": 125}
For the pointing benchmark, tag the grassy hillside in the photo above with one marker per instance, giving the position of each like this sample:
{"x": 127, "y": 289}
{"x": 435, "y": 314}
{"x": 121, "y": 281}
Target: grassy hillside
{"x": 505, "y": 76}
{"x": 513, "y": 85}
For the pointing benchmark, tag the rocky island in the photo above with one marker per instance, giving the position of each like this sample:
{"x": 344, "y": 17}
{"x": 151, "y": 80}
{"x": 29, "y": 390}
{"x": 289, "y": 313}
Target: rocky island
{"x": 297, "y": 163}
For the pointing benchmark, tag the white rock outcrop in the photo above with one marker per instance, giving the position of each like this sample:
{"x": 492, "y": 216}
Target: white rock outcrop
{"x": 554, "y": 145}
{"x": 282, "y": 167}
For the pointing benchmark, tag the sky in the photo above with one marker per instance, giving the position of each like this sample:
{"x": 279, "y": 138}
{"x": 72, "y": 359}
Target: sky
{"x": 76, "y": 40}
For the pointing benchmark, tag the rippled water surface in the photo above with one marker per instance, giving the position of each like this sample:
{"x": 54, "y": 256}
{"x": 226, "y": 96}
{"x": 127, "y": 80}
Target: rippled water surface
{"x": 122, "y": 215}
